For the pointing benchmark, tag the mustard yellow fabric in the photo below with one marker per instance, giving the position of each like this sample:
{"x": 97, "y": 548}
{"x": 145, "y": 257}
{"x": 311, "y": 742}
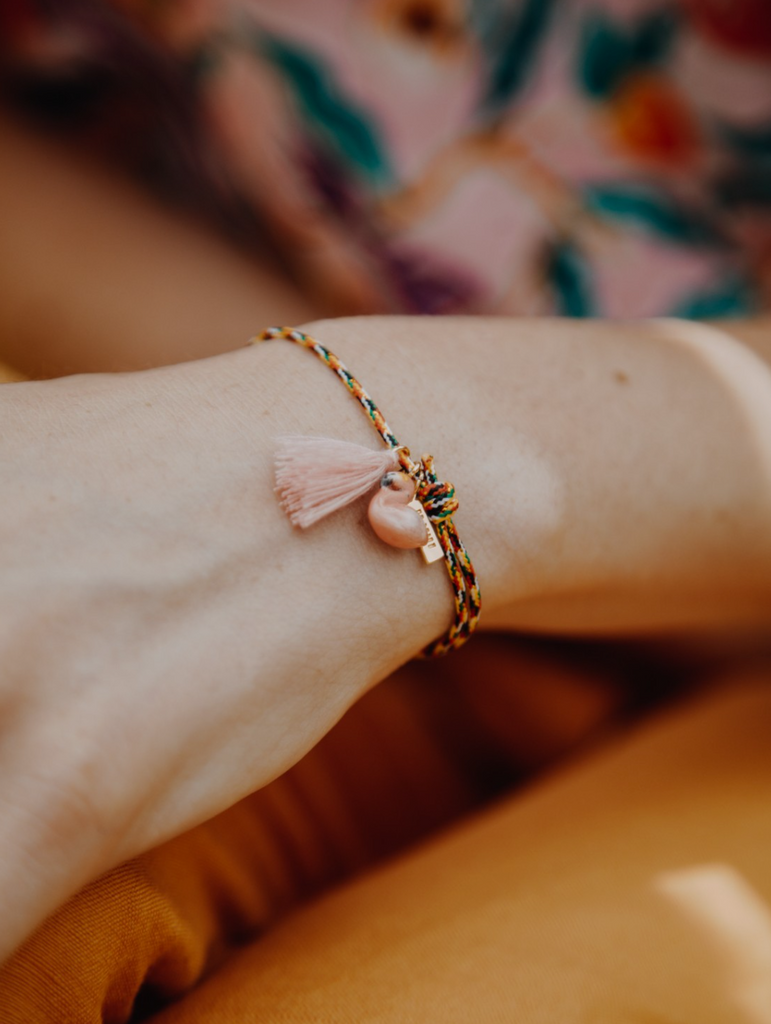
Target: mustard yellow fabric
{"x": 634, "y": 889}
{"x": 634, "y": 886}
{"x": 8, "y": 375}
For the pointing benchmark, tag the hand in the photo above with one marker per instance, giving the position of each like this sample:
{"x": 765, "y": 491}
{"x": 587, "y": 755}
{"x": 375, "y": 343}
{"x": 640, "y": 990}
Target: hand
{"x": 169, "y": 643}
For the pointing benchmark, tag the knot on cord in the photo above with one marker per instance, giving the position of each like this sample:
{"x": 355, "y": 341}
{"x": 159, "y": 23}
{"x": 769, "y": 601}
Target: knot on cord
{"x": 438, "y": 500}
{"x": 436, "y": 496}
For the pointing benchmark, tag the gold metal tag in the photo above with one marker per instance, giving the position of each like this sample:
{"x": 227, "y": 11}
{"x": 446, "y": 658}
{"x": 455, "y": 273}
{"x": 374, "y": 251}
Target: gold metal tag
{"x": 432, "y": 549}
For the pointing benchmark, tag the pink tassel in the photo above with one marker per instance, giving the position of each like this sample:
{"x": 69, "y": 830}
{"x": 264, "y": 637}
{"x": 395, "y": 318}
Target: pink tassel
{"x": 318, "y": 475}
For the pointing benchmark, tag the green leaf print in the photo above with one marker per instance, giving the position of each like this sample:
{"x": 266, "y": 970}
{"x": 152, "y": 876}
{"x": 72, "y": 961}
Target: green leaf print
{"x": 652, "y": 39}
{"x": 609, "y": 53}
{"x": 653, "y": 211}
{"x": 327, "y": 111}
{"x": 734, "y": 297}
{"x": 750, "y": 142}
{"x": 605, "y": 56}
{"x": 512, "y": 46}
{"x": 568, "y": 273}
{"x": 745, "y": 187}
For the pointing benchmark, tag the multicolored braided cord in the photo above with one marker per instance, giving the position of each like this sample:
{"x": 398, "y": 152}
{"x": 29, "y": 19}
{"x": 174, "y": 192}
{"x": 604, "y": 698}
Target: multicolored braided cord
{"x": 437, "y": 498}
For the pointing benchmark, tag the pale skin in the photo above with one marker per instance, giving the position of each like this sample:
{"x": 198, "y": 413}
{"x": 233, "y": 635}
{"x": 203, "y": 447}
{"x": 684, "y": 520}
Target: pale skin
{"x": 170, "y": 643}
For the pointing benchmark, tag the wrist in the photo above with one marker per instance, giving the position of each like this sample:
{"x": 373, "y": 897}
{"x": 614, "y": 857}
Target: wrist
{"x": 360, "y": 606}
{"x": 442, "y": 393}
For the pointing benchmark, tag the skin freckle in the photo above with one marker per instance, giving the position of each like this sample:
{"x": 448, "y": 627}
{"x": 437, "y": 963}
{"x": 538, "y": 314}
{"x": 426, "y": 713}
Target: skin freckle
{"x": 620, "y": 377}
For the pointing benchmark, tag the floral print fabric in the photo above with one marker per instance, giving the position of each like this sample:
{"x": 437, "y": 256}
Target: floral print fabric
{"x": 583, "y": 157}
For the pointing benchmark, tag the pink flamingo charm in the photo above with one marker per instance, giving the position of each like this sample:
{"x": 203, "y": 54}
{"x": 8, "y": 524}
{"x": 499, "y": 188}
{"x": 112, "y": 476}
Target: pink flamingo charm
{"x": 390, "y": 514}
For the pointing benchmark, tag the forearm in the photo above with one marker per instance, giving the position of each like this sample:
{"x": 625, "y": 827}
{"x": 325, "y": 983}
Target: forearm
{"x": 753, "y": 332}
{"x": 96, "y": 275}
{"x": 169, "y": 643}
{"x": 612, "y": 476}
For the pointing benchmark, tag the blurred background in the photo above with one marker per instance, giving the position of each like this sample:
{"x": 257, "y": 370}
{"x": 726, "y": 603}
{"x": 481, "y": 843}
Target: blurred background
{"x": 523, "y": 157}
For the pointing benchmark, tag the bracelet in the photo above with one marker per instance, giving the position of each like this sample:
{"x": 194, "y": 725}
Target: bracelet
{"x": 413, "y": 508}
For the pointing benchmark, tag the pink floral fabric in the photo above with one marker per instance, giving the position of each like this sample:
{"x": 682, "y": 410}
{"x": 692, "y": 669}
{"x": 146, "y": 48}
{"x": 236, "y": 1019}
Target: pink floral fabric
{"x": 584, "y": 157}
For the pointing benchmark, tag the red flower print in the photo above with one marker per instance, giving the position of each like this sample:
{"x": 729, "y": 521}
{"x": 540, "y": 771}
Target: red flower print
{"x": 740, "y": 25}
{"x": 652, "y": 121}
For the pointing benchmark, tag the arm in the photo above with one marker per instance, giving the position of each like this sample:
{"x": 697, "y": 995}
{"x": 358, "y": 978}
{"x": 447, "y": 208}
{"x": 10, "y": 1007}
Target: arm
{"x": 633, "y": 462}
{"x": 170, "y": 644}
{"x": 755, "y": 333}
{"x": 95, "y": 274}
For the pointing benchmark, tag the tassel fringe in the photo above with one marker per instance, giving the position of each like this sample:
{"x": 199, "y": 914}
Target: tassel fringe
{"x": 316, "y": 476}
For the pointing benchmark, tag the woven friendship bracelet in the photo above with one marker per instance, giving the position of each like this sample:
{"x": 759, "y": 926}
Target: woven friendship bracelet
{"x": 413, "y": 508}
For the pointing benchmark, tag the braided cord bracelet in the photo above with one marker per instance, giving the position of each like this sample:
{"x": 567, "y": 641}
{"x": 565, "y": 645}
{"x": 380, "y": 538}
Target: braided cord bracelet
{"x": 316, "y": 476}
